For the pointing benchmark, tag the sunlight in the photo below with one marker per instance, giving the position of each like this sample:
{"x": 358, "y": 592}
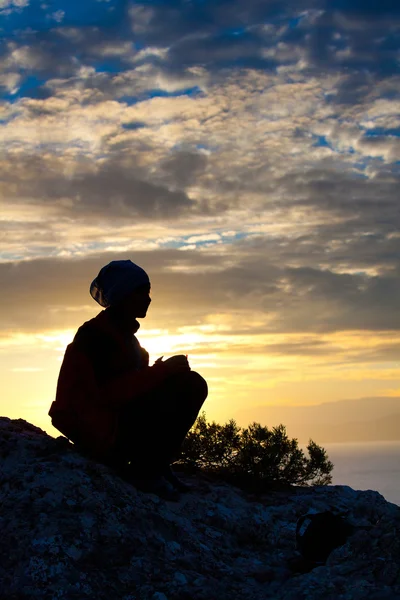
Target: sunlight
{"x": 168, "y": 345}
{"x": 58, "y": 340}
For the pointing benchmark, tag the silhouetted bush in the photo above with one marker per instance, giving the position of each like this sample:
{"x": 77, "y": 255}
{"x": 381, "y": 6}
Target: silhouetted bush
{"x": 254, "y": 457}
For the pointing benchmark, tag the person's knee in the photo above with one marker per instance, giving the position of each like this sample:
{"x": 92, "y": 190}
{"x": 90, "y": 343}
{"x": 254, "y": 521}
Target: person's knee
{"x": 191, "y": 385}
{"x": 195, "y": 385}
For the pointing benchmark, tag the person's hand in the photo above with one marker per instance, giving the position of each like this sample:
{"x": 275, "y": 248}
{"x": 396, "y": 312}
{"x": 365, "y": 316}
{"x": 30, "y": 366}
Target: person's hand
{"x": 177, "y": 364}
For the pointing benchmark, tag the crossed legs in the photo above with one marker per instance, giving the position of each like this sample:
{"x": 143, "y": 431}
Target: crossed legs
{"x": 152, "y": 428}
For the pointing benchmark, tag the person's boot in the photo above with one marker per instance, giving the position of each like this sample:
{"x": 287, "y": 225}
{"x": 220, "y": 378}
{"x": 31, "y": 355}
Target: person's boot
{"x": 153, "y": 483}
{"x": 177, "y": 483}
{"x": 157, "y": 485}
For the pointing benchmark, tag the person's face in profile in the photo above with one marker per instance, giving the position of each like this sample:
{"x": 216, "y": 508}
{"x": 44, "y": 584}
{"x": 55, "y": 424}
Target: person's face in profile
{"x": 137, "y": 302}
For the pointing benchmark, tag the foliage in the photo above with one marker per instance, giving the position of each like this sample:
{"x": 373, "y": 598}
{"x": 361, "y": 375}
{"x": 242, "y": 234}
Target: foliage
{"x": 254, "y": 455}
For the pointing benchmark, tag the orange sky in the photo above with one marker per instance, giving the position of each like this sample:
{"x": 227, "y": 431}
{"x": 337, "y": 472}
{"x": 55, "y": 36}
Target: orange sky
{"x": 251, "y": 167}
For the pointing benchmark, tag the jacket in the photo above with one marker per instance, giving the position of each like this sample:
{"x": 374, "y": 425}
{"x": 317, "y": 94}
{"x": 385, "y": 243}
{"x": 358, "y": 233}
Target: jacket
{"x": 102, "y": 371}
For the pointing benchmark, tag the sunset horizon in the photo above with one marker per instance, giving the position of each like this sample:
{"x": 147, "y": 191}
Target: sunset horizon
{"x": 248, "y": 158}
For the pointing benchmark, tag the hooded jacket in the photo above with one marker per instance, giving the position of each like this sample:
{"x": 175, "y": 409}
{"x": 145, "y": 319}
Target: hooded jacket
{"x": 101, "y": 373}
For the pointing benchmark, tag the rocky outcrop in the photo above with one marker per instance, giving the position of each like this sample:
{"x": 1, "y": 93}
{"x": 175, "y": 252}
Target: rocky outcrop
{"x": 71, "y": 528}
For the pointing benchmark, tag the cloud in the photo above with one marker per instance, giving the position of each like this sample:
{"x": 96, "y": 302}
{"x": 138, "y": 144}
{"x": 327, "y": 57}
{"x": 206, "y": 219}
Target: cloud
{"x": 256, "y": 154}
{"x": 208, "y": 237}
{"x": 192, "y": 286}
{"x": 276, "y": 121}
{"x": 182, "y": 168}
{"x": 336, "y": 37}
{"x": 112, "y": 189}
{"x": 10, "y": 5}
{"x": 10, "y": 81}
{"x": 58, "y": 15}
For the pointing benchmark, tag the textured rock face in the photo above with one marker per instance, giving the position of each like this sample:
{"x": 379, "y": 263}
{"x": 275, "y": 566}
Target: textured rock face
{"x": 70, "y": 528}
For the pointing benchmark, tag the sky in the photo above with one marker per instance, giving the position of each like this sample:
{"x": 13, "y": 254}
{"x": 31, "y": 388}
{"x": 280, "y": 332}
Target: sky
{"x": 247, "y": 155}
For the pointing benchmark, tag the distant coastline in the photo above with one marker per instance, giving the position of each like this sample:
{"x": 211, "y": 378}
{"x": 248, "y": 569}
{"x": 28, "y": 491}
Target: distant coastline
{"x": 374, "y": 419}
{"x": 367, "y": 466}
{"x": 386, "y": 429}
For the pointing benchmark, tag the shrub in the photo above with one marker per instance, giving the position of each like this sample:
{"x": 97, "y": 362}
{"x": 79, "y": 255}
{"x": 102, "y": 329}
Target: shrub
{"x": 253, "y": 457}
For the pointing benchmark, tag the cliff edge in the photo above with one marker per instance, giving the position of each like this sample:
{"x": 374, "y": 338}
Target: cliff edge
{"x": 71, "y": 528}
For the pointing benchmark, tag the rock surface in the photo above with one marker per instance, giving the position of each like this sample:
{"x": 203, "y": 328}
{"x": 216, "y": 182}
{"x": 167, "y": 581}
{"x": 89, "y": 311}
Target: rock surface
{"x": 71, "y": 528}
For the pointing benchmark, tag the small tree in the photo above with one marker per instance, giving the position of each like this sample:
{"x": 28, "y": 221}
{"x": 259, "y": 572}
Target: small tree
{"x": 211, "y": 446}
{"x": 254, "y": 455}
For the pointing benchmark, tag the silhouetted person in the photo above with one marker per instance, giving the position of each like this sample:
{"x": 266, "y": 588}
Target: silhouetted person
{"x": 111, "y": 403}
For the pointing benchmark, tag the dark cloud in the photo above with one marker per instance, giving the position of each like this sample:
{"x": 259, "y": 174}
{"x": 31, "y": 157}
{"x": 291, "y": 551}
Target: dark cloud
{"x": 339, "y": 36}
{"x": 181, "y": 167}
{"x": 114, "y": 189}
{"x": 60, "y": 52}
{"x": 359, "y": 40}
{"x": 363, "y": 202}
{"x": 365, "y": 9}
{"x": 187, "y": 287}
{"x": 342, "y": 301}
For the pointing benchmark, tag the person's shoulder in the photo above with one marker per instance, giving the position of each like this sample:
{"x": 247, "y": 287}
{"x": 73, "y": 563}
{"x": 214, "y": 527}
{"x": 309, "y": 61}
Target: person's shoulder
{"x": 90, "y": 333}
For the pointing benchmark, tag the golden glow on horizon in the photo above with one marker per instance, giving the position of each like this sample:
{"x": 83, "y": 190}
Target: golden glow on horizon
{"x": 212, "y": 341}
{"x": 243, "y": 371}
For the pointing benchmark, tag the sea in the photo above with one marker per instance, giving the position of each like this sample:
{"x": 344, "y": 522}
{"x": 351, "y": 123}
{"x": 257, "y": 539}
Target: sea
{"x": 367, "y": 466}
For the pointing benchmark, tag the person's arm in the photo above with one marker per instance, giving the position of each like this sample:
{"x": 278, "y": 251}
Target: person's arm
{"x": 124, "y": 388}
{"x": 121, "y": 389}
{"x": 114, "y": 391}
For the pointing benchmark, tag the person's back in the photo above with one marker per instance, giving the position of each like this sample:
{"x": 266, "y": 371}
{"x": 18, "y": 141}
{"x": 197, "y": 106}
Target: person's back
{"x": 109, "y": 401}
